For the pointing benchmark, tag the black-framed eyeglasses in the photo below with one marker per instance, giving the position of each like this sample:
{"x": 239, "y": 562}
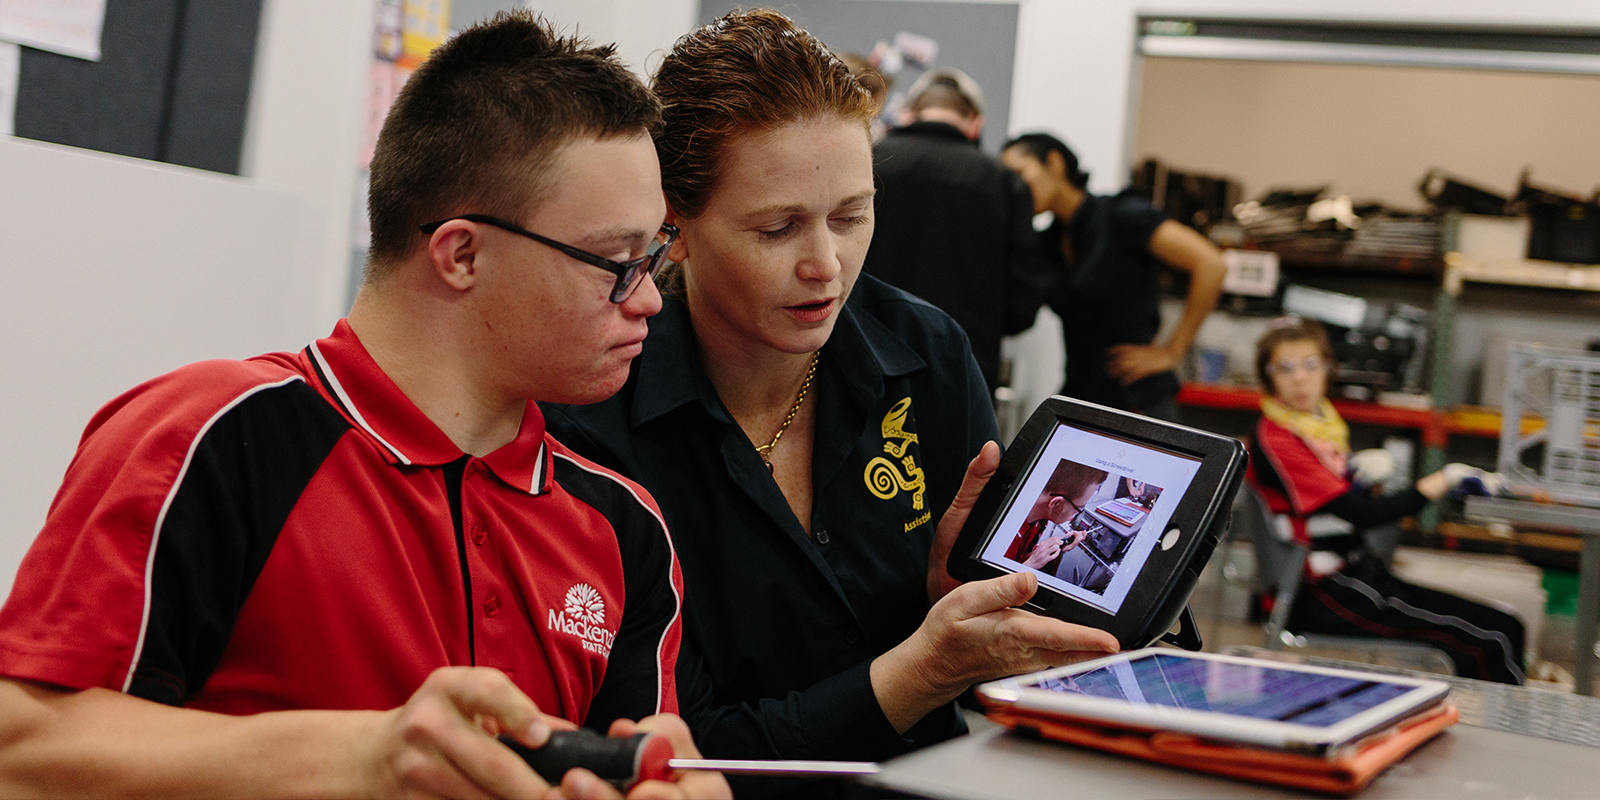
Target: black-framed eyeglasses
{"x": 629, "y": 273}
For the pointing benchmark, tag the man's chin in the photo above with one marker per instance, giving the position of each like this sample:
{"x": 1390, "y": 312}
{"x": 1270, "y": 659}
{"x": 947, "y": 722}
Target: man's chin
{"x": 596, "y": 391}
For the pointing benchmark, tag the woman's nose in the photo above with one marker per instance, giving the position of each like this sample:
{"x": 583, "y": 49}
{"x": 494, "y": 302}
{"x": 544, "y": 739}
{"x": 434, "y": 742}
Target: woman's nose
{"x": 820, "y": 260}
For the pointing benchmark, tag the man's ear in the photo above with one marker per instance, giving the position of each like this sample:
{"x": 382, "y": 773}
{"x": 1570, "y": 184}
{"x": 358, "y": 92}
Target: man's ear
{"x": 974, "y": 128}
{"x": 1057, "y": 503}
{"x": 453, "y": 253}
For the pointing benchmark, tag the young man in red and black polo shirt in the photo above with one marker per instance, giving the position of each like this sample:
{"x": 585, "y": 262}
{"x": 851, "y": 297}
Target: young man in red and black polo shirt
{"x": 368, "y": 555}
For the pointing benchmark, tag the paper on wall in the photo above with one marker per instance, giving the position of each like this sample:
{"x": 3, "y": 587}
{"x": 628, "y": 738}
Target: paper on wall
{"x": 10, "y": 69}
{"x": 68, "y": 27}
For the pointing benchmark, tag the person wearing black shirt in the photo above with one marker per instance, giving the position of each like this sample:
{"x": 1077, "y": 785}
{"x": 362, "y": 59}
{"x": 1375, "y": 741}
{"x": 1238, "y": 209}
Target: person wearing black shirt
{"x": 1107, "y": 253}
{"x": 954, "y": 226}
{"x": 804, "y": 430}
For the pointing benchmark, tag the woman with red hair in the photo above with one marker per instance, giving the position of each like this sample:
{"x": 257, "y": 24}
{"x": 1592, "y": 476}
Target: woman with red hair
{"x": 804, "y": 428}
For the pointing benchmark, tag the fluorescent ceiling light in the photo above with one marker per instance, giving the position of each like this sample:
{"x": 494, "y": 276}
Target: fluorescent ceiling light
{"x": 1338, "y": 53}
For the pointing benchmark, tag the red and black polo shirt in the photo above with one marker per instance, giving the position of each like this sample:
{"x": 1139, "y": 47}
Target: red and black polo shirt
{"x": 291, "y": 532}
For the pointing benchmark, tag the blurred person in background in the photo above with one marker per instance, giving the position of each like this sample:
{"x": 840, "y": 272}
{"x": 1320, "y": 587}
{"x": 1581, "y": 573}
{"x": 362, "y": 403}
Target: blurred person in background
{"x": 954, "y": 225}
{"x": 1105, "y": 256}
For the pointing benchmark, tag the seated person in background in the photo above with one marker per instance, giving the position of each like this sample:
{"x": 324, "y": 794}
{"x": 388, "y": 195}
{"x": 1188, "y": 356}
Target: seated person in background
{"x": 1044, "y": 536}
{"x": 343, "y": 571}
{"x": 1106, "y": 254}
{"x": 802, "y": 425}
{"x": 1299, "y": 463}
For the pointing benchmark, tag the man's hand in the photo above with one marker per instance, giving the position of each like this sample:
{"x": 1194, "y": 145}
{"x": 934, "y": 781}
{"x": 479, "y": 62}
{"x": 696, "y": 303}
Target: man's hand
{"x": 581, "y": 784}
{"x": 1046, "y": 550}
{"x": 1126, "y": 363}
{"x": 978, "y": 474}
{"x": 441, "y": 742}
{"x": 975, "y": 634}
{"x": 1077, "y": 536}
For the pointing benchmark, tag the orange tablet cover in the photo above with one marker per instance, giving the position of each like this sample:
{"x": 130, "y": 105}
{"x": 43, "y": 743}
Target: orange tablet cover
{"x": 1346, "y": 772}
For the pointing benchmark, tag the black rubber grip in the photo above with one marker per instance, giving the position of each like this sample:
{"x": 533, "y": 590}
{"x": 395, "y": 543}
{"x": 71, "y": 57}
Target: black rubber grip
{"x": 614, "y": 760}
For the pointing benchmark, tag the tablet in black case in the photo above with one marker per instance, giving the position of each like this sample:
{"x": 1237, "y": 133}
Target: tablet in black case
{"x": 1144, "y": 530}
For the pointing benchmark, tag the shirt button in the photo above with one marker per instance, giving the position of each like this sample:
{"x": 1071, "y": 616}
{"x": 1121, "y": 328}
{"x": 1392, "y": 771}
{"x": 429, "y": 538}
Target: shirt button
{"x": 852, "y": 637}
{"x": 491, "y": 605}
{"x": 823, "y": 537}
{"x": 479, "y": 534}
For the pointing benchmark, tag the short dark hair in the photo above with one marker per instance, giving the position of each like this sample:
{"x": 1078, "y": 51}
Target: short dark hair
{"x": 1070, "y": 479}
{"x": 477, "y": 124}
{"x": 748, "y": 71}
{"x": 1282, "y": 331}
{"x": 949, "y": 89}
{"x": 1040, "y": 145}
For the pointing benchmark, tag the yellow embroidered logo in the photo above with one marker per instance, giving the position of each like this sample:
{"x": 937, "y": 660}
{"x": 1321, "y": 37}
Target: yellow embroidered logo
{"x": 884, "y": 477}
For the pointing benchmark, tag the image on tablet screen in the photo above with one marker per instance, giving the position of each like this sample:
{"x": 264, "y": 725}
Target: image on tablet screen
{"x": 1089, "y": 513}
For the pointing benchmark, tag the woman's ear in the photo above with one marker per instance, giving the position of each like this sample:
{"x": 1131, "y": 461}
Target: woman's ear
{"x": 1056, "y": 165}
{"x": 680, "y": 246}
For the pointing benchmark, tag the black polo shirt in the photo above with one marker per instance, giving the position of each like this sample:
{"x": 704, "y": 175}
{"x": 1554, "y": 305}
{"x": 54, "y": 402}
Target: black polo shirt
{"x": 955, "y": 227}
{"x": 780, "y": 628}
{"x": 1110, "y": 296}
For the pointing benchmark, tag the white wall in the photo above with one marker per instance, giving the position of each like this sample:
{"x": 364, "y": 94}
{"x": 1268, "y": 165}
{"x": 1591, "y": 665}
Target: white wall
{"x": 1075, "y": 62}
{"x": 1370, "y": 131}
{"x": 116, "y": 270}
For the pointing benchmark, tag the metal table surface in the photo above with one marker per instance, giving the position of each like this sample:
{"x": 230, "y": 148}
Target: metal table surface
{"x": 1583, "y": 522}
{"x": 1512, "y": 742}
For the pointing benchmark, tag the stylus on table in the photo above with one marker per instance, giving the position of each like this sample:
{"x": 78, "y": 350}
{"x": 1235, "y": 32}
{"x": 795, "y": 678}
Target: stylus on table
{"x": 644, "y": 756}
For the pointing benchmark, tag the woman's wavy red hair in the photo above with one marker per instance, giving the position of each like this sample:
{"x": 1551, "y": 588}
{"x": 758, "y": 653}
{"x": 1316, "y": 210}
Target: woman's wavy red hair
{"x": 748, "y": 71}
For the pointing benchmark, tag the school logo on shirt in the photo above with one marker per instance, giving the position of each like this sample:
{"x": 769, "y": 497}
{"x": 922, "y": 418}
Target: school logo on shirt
{"x": 886, "y": 478}
{"x": 583, "y": 615}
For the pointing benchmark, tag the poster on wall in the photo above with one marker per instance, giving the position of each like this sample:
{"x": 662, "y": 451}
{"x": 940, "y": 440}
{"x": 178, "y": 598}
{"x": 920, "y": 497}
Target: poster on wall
{"x": 68, "y": 27}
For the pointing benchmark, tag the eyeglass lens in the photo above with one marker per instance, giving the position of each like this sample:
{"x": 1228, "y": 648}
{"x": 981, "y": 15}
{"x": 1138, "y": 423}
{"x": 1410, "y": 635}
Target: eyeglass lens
{"x": 1309, "y": 364}
{"x": 642, "y": 268}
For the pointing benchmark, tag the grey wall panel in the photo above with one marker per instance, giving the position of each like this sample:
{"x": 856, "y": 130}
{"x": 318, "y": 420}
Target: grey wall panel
{"x": 113, "y": 105}
{"x": 172, "y": 84}
{"x": 979, "y": 39}
{"x": 211, "y": 87}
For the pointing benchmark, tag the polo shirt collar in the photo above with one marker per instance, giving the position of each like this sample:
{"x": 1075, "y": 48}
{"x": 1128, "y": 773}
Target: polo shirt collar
{"x": 372, "y": 401}
{"x": 867, "y": 352}
{"x": 669, "y": 374}
{"x": 668, "y": 371}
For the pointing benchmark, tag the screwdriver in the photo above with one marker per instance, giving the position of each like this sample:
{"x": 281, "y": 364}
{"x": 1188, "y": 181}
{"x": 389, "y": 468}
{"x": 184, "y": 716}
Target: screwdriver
{"x": 645, "y": 756}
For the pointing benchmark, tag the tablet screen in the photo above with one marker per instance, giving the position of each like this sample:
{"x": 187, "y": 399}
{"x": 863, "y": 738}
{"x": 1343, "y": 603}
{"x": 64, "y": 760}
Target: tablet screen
{"x": 1247, "y": 690}
{"x": 1089, "y": 513}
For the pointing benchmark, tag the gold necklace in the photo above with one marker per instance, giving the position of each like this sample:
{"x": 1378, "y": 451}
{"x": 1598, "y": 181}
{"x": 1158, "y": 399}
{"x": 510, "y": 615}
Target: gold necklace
{"x": 765, "y": 451}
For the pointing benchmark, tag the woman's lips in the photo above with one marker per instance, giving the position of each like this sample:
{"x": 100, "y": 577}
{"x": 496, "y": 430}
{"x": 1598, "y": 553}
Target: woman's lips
{"x": 812, "y": 312}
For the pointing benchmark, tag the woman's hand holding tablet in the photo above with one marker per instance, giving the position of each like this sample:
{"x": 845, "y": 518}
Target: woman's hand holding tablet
{"x": 1058, "y": 473}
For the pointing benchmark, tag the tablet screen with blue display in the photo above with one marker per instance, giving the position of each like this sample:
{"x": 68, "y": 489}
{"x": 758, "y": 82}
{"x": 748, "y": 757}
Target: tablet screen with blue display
{"x": 1228, "y": 698}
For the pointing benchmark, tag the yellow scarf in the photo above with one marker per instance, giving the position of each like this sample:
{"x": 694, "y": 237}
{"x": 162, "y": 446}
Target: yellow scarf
{"x": 1324, "y": 431}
